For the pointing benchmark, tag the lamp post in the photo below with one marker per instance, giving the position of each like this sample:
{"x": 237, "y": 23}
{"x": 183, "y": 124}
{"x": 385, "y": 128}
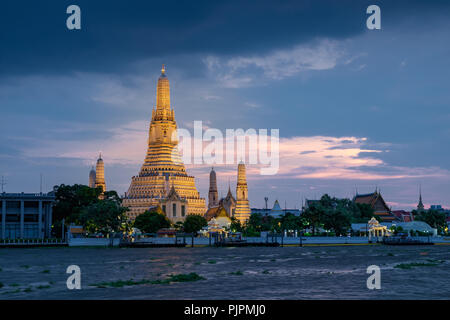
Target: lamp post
{"x": 301, "y": 238}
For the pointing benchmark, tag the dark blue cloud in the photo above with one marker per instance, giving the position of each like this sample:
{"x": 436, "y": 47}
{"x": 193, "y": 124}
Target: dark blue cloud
{"x": 34, "y": 38}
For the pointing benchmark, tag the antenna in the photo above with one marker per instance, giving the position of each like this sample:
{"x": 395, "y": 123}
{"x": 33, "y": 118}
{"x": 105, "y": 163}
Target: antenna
{"x": 3, "y": 183}
{"x": 266, "y": 199}
{"x": 40, "y": 184}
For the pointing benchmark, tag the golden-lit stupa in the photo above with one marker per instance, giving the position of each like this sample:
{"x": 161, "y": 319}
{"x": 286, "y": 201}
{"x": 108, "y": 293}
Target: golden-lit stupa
{"x": 163, "y": 169}
{"x": 242, "y": 211}
{"x": 100, "y": 174}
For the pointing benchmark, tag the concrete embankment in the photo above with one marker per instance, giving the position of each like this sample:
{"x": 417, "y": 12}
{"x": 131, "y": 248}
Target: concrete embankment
{"x": 256, "y": 241}
{"x": 204, "y": 242}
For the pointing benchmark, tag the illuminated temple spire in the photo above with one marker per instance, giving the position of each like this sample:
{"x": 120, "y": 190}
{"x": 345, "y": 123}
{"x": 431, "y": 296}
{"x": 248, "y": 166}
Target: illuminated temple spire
{"x": 163, "y": 91}
{"x": 100, "y": 174}
{"x": 242, "y": 211}
{"x": 162, "y": 165}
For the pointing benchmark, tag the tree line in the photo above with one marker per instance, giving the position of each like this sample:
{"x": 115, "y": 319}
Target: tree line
{"x": 103, "y": 213}
{"x": 328, "y": 213}
{"x": 434, "y": 218}
{"x": 82, "y": 205}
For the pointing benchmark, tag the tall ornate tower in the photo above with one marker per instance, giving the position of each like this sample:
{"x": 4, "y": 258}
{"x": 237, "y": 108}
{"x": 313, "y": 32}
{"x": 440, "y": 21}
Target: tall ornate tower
{"x": 213, "y": 195}
{"x": 242, "y": 211}
{"x": 162, "y": 165}
{"x": 100, "y": 174}
{"x": 92, "y": 178}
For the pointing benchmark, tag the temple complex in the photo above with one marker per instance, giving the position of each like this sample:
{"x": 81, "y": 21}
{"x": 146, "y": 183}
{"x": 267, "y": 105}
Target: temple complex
{"x": 229, "y": 206}
{"x": 163, "y": 179}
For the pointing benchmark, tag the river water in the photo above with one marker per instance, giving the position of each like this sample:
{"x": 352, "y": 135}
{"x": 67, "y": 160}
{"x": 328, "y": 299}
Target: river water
{"x": 230, "y": 273}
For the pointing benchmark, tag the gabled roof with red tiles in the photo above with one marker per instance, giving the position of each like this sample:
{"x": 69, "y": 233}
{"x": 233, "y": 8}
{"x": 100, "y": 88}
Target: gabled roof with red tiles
{"x": 403, "y": 215}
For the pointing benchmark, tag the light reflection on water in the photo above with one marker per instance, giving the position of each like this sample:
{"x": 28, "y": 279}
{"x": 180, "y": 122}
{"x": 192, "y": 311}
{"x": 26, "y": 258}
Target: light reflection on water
{"x": 267, "y": 273}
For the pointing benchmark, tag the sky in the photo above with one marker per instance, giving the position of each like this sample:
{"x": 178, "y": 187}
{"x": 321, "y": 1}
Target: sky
{"x": 356, "y": 109}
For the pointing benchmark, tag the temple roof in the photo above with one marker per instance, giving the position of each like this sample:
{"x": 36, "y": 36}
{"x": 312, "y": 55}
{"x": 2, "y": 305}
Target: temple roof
{"x": 370, "y": 199}
{"x": 376, "y": 202}
{"x": 229, "y": 195}
{"x": 216, "y": 212}
{"x": 276, "y": 206}
{"x": 222, "y": 213}
{"x": 173, "y": 195}
{"x": 367, "y": 198}
{"x": 211, "y": 213}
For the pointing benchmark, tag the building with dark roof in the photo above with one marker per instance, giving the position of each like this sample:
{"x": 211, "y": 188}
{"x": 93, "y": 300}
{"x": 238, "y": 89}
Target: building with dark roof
{"x": 377, "y": 203}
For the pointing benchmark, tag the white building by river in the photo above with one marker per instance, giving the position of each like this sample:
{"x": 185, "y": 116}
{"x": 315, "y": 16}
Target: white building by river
{"x": 26, "y": 215}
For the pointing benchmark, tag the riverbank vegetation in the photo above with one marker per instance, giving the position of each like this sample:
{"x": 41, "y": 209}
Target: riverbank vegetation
{"x": 96, "y": 212}
{"x": 433, "y": 218}
{"x": 103, "y": 214}
{"x": 328, "y": 213}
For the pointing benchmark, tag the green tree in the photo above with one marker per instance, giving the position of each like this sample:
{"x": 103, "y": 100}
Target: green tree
{"x": 434, "y": 218}
{"x": 235, "y": 225}
{"x": 70, "y": 200}
{"x": 332, "y": 214}
{"x": 194, "y": 223}
{"x": 255, "y": 222}
{"x": 291, "y": 222}
{"x": 266, "y": 223}
{"x": 152, "y": 221}
{"x": 361, "y": 212}
{"x": 105, "y": 216}
{"x": 337, "y": 218}
{"x": 313, "y": 216}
